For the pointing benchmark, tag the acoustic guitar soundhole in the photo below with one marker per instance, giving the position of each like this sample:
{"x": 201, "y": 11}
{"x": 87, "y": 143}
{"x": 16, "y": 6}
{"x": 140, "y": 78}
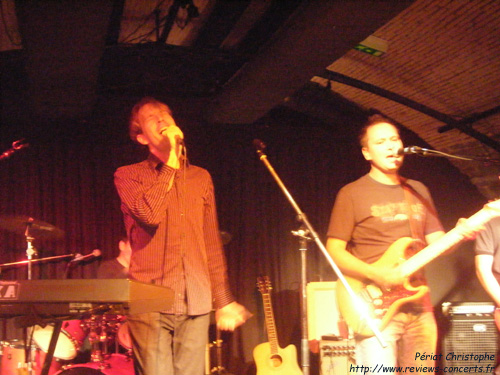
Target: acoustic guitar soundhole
{"x": 276, "y": 360}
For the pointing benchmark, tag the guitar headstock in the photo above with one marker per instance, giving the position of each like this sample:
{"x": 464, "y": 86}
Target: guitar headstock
{"x": 264, "y": 284}
{"x": 494, "y": 205}
{"x": 489, "y": 211}
{"x": 476, "y": 222}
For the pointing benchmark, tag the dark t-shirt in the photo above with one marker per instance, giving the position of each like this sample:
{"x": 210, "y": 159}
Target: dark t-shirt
{"x": 112, "y": 269}
{"x": 371, "y": 216}
{"x": 488, "y": 243}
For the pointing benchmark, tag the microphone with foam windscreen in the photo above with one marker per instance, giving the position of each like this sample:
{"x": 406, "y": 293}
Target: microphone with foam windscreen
{"x": 412, "y": 150}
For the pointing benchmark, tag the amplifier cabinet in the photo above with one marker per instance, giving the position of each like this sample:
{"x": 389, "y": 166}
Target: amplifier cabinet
{"x": 336, "y": 356}
{"x": 470, "y": 332}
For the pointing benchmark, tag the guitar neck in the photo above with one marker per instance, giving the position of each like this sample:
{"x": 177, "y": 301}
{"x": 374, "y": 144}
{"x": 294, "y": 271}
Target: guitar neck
{"x": 431, "y": 252}
{"x": 270, "y": 325}
{"x": 446, "y": 242}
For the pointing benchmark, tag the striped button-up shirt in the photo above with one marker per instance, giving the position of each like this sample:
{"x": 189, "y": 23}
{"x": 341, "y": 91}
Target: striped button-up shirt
{"x": 171, "y": 220}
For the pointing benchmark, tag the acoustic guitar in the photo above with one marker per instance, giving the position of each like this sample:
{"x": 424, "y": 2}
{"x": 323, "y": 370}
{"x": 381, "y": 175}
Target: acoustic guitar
{"x": 269, "y": 358}
{"x": 381, "y": 304}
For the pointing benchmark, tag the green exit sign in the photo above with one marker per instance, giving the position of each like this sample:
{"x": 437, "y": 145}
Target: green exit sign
{"x": 372, "y": 46}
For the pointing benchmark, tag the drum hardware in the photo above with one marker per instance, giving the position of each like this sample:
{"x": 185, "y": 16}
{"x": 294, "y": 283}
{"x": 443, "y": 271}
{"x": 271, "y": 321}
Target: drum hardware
{"x": 39, "y": 260}
{"x": 218, "y": 369}
{"x": 13, "y": 360}
{"x": 69, "y": 340}
{"x": 33, "y": 300}
{"x": 59, "y": 339}
{"x": 115, "y": 364}
{"x": 31, "y": 229}
{"x": 39, "y": 229}
{"x": 103, "y": 330}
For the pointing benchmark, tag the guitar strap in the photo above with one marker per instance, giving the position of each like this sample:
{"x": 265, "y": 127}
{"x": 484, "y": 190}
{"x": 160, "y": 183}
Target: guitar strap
{"x": 409, "y": 198}
{"x": 418, "y": 243}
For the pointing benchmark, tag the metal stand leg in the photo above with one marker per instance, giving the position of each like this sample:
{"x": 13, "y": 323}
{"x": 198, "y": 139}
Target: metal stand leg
{"x": 305, "y": 363}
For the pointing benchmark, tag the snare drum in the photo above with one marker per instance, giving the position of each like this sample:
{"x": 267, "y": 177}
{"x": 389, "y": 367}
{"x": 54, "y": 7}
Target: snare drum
{"x": 69, "y": 341}
{"x": 116, "y": 364}
{"x": 13, "y": 358}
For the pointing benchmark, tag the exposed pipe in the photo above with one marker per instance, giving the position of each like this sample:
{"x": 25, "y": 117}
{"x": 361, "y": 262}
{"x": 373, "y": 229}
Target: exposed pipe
{"x": 450, "y": 121}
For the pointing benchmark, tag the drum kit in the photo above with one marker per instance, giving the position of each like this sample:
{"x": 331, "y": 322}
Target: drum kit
{"x": 104, "y": 337}
{"x": 93, "y": 345}
{"x": 96, "y": 344}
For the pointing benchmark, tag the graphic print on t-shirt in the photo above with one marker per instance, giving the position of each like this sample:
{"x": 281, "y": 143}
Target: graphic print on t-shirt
{"x": 391, "y": 212}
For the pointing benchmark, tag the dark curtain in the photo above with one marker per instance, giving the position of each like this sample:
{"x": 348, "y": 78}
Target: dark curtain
{"x": 68, "y": 183}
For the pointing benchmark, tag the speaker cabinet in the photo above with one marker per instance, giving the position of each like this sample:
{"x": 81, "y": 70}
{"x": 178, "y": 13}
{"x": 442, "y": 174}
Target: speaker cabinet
{"x": 471, "y": 331}
{"x": 322, "y": 311}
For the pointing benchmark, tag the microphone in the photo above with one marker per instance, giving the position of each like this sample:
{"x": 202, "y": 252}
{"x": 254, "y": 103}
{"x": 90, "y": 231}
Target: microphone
{"x": 259, "y": 145}
{"x": 179, "y": 141}
{"x": 412, "y": 150}
{"x": 16, "y": 146}
{"x": 79, "y": 257}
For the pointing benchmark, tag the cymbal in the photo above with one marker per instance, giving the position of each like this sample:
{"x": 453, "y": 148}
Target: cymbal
{"x": 37, "y": 228}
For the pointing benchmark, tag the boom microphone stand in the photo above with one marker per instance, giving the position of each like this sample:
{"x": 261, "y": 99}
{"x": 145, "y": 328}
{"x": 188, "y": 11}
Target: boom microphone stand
{"x": 420, "y": 151}
{"x": 260, "y": 146}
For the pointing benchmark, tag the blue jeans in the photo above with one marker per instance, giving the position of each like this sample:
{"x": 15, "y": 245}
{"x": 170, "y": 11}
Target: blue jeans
{"x": 406, "y": 335}
{"x": 167, "y": 344}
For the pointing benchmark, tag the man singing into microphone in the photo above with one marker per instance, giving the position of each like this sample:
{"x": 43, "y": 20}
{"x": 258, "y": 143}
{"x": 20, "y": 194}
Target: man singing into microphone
{"x": 369, "y": 215}
{"x": 170, "y": 217}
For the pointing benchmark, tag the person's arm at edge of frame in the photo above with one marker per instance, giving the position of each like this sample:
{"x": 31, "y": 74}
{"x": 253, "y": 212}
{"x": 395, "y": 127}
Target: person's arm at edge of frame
{"x": 484, "y": 272}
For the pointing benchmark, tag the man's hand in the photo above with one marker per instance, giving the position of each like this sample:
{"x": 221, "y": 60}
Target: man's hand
{"x": 468, "y": 233}
{"x": 388, "y": 277}
{"x": 231, "y": 316}
{"x": 175, "y": 138}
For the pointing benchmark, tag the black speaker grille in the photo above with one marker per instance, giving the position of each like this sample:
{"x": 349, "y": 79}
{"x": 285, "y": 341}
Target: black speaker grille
{"x": 470, "y": 335}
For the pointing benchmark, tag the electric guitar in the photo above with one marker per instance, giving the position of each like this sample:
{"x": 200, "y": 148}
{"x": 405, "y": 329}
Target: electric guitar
{"x": 269, "y": 358}
{"x": 380, "y": 304}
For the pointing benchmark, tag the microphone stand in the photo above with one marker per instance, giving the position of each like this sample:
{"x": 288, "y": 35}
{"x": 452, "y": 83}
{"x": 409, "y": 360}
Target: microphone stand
{"x": 303, "y": 238}
{"x": 420, "y": 151}
{"x": 260, "y": 146}
{"x": 17, "y": 145}
{"x": 30, "y": 251}
{"x": 39, "y": 260}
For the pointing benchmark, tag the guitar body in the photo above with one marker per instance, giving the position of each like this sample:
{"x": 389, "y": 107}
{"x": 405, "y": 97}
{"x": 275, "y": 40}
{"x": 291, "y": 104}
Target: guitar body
{"x": 284, "y": 362}
{"x": 381, "y": 305}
